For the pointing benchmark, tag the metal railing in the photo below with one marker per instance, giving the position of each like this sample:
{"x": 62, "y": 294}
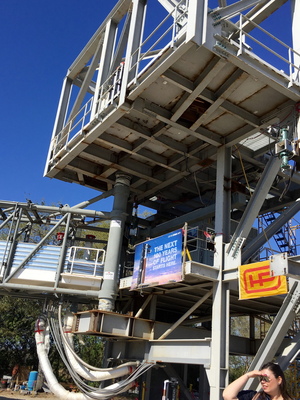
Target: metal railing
{"x": 73, "y": 128}
{"x": 110, "y": 89}
{"x": 86, "y": 260}
{"x": 283, "y": 55}
{"x": 172, "y": 26}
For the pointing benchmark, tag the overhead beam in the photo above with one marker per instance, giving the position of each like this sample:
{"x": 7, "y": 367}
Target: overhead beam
{"x": 253, "y": 207}
{"x": 117, "y": 14}
{"x": 277, "y": 331}
{"x": 254, "y": 246}
{"x": 203, "y": 80}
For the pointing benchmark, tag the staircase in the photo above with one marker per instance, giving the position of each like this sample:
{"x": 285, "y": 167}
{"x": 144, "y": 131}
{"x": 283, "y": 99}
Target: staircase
{"x": 285, "y": 237}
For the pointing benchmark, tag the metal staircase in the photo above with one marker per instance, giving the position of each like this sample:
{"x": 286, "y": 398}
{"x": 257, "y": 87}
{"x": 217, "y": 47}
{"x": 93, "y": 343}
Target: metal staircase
{"x": 285, "y": 237}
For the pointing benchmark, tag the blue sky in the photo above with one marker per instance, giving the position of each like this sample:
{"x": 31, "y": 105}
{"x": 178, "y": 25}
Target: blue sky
{"x": 39, "y": 41}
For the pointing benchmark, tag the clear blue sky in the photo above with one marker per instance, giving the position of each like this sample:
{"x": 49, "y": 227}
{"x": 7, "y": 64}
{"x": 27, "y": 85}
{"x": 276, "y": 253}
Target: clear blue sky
{"x": 39, "y": 41}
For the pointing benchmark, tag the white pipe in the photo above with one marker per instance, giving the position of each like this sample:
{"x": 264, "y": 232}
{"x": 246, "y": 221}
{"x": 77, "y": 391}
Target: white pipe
{"x": 164, "y": 396}
{"x": 54, "y": 386}
{"x": 83, "y": 371}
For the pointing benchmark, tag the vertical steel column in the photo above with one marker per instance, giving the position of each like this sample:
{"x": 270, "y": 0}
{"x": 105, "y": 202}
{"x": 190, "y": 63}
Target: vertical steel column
{"x": 105, "y": 62}
{"x": 60, "y": 115}
{"x": 17, "y": 215}
{"x": 109, "y": 288}
{"x": 85, "y": 84}
{"x": 220, "y": 312}
{"x": 134, "y": 41}
{"x": 295, "y": 4}
{"x": 197, "y": 21}
{"x": 62, "y": 256}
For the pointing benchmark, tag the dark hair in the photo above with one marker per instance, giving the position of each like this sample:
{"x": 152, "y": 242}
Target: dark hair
{"x": 277, "y": 371}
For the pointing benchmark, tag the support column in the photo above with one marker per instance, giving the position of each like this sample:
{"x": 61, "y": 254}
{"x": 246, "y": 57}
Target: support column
{"x": 105, "y": 62}
{"x": 109, "y": 287}
{"x": 133, "y": 43}
{"x": 220, "y": 313}
{"x": 295, "y": 4}
{"x": 60, "y": 117}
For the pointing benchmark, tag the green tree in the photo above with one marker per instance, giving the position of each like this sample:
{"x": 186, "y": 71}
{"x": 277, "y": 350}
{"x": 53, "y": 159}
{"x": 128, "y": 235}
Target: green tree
{"x": 17, "y": 343}
{"x": 90, "y": 349}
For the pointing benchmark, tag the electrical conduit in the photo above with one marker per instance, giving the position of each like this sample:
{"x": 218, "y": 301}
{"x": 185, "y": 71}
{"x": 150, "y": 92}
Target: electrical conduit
{"x": 42, "y": 344}
{"x": 79, "y": 367}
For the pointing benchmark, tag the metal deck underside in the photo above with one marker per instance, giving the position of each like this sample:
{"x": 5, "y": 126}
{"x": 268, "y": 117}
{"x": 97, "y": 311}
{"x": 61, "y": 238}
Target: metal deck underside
{"x": 174, "y": 299}
{"x": 192, "y": 116}
{"x": 179, "y": 110}
{"x": 41, "y": 269}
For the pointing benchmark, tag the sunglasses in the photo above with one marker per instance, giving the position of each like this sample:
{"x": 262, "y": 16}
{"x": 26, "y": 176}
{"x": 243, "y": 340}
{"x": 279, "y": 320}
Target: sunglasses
{"x": 264, "y": 378}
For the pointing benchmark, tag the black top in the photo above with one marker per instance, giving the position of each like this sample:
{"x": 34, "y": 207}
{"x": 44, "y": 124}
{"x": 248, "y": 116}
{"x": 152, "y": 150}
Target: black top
{"x": 248, "y": 395}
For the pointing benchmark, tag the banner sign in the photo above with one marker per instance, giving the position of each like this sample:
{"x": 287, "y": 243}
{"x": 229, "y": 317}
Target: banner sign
{"x": 256, "y": 281}
{"x": 158, "y": 261}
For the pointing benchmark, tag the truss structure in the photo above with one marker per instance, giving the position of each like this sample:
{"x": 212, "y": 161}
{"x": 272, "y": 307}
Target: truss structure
{"x": 183, "y": 113}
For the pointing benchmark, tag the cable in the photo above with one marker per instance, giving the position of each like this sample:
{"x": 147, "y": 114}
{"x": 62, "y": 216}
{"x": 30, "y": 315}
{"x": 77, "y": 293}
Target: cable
{"x": 42, "y": 340}
{"x": 244, "y": 171}
{"x": 75, "y": 355}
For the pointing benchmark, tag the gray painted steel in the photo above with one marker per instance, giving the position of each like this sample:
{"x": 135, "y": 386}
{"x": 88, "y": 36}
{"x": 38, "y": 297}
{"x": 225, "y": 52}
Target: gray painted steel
{"x": 192, "y": 114}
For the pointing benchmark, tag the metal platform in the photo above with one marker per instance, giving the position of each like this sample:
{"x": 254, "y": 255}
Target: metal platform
{"x": 160, "y": 114}
{"x": 194, "y": 113}
{"x": 53, "y": 266}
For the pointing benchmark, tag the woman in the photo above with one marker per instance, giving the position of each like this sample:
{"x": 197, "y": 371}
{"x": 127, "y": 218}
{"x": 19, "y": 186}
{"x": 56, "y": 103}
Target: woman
{"x": 272, "y": 380}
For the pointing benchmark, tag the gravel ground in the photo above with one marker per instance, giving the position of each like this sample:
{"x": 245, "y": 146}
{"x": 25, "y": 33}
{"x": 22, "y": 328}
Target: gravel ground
{"x": 9, "y": 394}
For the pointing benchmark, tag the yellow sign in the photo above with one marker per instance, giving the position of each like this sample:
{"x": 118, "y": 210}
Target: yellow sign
{"x": 255, "y": 281}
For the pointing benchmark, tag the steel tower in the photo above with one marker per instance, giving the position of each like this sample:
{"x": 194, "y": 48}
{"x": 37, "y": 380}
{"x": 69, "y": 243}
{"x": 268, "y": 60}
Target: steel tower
{"x": 192, "y": 111}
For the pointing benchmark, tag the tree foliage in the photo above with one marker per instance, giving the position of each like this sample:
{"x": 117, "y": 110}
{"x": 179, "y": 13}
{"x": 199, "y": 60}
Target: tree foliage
{"x": 17, "y": 344}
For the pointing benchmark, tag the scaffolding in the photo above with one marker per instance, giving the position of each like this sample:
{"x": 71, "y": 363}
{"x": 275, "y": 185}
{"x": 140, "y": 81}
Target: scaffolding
{"x": 192, "y": 112}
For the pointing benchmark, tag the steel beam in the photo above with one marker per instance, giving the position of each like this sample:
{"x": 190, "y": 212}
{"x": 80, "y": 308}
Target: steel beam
{"x": 281, "y": 264}
{"x": 295, "y": 35}
{"x": 169, "y": 5}
{"x": 116, "y": 14}
{"x": 60, "y": 118}
{"x": 86, "y": 83}
{"x": 289, "y": 353}
{"x": 254, "y": 246}
{"x": 253, "y": 207}
{"x": 260, "y": 12}
{"x": 233, "y": 9}
{"x": 133, "y": 44}
{"x": 35, "y": 250}
{"x": 105, "y": 61}
{"x": 191, "y": 351}
{"x": 218, "y": 370}
{"x": 277, "y": 331}
{"x": 186, "y": 315}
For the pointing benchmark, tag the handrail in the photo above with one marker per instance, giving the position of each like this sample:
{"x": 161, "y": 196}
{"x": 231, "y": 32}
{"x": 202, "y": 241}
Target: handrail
{"x": 175, "y": 23}
{"x": 243, "y": 34}
{"x": 62, "y": 138}
{"x": 98, "y": 261}
{"x": 110, "y": 89}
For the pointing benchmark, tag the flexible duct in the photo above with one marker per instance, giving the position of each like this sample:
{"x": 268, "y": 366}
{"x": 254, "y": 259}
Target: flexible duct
{"x": 81, "y": 368}
{"x": 42, "y": 344}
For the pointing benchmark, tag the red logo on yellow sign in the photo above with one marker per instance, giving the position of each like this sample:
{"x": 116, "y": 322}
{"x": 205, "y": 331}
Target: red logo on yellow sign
{"x": 255, "y": 281}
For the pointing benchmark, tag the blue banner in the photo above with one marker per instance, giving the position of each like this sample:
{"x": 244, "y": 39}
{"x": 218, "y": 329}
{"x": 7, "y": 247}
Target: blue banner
{"x": 158, "y": 261}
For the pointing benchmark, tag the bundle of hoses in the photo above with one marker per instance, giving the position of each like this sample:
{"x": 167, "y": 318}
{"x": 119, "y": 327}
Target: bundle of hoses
{"x": 78, "y": 367}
